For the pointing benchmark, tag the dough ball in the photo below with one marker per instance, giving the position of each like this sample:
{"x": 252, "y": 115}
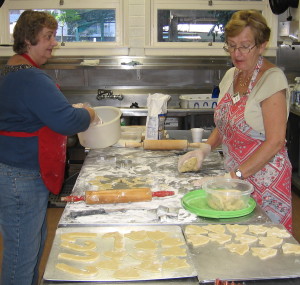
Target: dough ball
{"x": 189, "y": 165}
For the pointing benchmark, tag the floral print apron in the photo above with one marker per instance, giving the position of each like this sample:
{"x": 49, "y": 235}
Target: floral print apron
{"x": 272, "y": 184}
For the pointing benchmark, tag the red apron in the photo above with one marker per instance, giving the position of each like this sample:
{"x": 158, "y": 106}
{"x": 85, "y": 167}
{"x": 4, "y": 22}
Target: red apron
{"x": 52, "y": 156}
{"x": 51, "y": 152}
{"x": 272, "y": 184}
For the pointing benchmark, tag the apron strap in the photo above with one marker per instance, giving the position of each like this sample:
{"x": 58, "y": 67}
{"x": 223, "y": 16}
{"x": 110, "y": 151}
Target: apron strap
{"x": 18, "y": 134}
{"x": 26, "y": 56}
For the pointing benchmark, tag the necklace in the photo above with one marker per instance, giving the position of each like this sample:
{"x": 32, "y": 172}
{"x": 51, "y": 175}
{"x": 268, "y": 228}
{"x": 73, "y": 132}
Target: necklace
{"x": 245, "y": 82}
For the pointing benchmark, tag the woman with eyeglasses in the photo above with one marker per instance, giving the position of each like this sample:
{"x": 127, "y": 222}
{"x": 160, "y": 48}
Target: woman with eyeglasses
{"x": 251, "y": 118}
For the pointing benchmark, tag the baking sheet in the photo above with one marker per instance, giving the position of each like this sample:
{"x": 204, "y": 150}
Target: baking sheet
{"x": 213, "y": 261}
{"x": 107, "y": 244}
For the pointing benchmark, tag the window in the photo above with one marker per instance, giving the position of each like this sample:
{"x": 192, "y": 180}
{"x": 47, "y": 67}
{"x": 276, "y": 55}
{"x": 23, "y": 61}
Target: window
{"x": 79, "y": 25}
{"x": 191, "y": 25}
{"x": 196, "y": 27}
{"x": 86, "y": 27}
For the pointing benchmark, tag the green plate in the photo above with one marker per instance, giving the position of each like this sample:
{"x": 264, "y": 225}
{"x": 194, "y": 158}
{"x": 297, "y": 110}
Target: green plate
{"x": 195, "y": 202}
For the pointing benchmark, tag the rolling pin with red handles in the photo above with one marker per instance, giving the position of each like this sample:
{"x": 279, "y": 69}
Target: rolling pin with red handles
{"x": 163, "y": 144}
{"x": 117, "y": 196}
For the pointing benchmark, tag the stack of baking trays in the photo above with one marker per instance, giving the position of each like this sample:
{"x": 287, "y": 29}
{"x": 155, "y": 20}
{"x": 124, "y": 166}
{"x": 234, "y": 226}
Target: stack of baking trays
{"x": 209, "y": 251}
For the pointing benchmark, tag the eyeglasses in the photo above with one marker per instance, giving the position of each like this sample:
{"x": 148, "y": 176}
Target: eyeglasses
{"x": 242, "y": 50}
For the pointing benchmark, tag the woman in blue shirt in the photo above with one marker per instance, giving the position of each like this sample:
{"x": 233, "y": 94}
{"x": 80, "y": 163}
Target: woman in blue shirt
{"x": 35, "y": 119}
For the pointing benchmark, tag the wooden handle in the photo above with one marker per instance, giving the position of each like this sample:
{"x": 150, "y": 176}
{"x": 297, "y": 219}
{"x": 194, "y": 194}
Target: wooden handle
{"x": 165, "y": 144}
{"x": 195, "y": 145}
{"x": 118, "y": 196}
{"x": 133, "y": 144}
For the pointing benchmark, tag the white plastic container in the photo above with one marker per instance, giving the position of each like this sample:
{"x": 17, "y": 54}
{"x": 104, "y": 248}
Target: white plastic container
{"x": 227, "y": 194}
{"x": 106, "y": 134}
{"x": 197, "y": 101}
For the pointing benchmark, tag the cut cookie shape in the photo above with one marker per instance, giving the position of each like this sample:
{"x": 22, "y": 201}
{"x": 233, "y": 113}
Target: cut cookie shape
{"x": 88, "y": 271}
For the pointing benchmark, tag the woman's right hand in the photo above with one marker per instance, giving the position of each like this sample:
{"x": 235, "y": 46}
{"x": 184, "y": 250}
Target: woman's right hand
{"x": 199, "y": 154}
{"x": 95, "y": 119}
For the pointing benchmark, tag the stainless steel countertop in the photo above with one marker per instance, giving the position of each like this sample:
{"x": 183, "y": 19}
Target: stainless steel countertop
{"x": 131, "y": 168}
{"x": 158, "y": 170}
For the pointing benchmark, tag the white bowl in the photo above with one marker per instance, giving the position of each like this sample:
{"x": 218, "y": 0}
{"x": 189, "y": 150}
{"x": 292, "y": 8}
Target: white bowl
{"x": 106, "y": 134}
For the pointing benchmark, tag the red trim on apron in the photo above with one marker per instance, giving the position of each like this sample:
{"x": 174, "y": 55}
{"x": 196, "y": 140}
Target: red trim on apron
{"x": 52, "y": 156}
{"x": 26, "y": 56}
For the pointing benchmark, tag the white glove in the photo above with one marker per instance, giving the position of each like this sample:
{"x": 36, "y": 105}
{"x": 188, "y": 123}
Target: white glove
{"x": 97, "y": 120}
{"x": 78, "y": 105}
{"x": 192, "y": 161}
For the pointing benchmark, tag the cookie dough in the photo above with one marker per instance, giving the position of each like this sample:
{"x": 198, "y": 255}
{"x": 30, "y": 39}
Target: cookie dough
{"x": 170, "y": 241}
{"x": 195, "y": 230}
{"x": 112, "y": 235}
{"x": 263, "y": 252}
{"x": 118, "y": 239}
{"x": 220, "y": 229}
{"x": 258, "y": 229}
{"x": 89, "y": 256}
{"x": 157, "y": 235}
{"x": 237, "y": 229}
{"x": 291, "y": 248}
{"x": 197, "y": 240}
{"x": 175, "y": 263}
{"x": 149, "y": 266}
{"x": 248, "y": 239}
{"x": 148, "y": 244}
{"x": 108, "y": 264}
{"x": 136, "y": 235}
{"x": 230, "y": 201}
{"x": 72, "y": 237}
{"x": 238, "y": 248}
{"x": 143, "y": 255}
{"x": 189, "y": 165}
{"x": 276, "y": 232}
{"x": 174, "y": 251}
{"x": 88, "y": 271}
{"x": 220, "y": 238}
{"x": 87, "y": 245}
{"x": 270, "y": 241}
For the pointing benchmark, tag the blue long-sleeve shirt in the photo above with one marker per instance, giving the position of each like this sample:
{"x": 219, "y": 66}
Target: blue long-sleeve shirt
{"x": 29, "y": 100}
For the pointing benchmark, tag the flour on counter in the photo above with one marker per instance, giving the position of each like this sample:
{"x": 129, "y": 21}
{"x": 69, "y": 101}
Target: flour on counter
{"x": 123, "y": 168}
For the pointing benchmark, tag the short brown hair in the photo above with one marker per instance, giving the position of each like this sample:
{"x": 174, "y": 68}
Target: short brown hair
{"x": 28, "y": 26}
{"x": 248, "y": 18}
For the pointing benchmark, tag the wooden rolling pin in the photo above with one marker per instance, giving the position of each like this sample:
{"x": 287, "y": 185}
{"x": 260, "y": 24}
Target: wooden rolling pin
{"x": 117, "y": 196}
{"x": 163, "y": 144}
